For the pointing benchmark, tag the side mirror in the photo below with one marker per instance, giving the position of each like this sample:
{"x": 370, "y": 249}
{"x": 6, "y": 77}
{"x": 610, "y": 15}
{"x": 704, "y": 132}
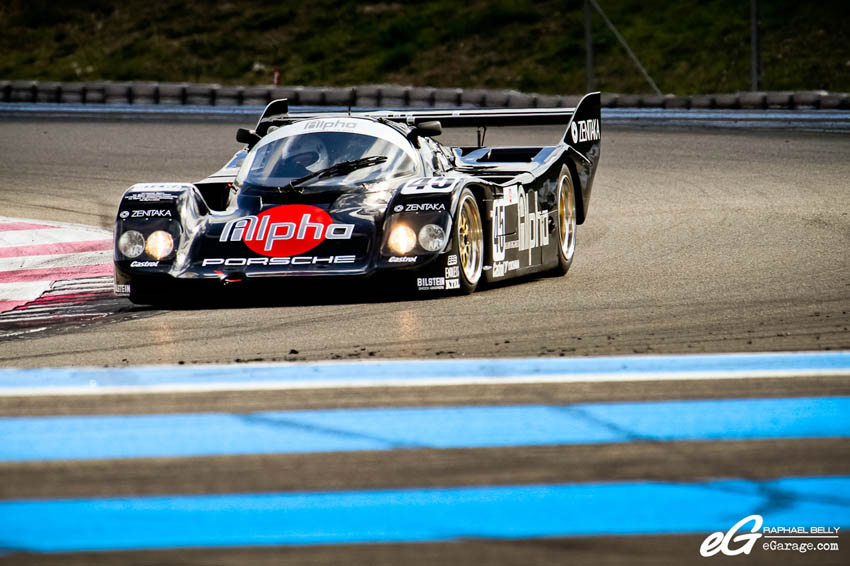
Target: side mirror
{"x": 246, "y": 136}
{"x": 424, "y": 129}
{"x": 428, "y": 129}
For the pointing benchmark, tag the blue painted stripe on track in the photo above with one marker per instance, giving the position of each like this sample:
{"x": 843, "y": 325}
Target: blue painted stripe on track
{"x": 417, "y": 515}
{"x": 287, "y": 432}
{"x": 354, "y": 372}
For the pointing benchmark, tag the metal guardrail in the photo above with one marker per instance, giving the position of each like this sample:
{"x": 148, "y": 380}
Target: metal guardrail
{"x": 391, "y": 96}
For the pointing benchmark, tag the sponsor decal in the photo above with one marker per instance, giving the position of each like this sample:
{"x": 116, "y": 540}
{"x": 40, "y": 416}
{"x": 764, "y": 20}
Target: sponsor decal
{"x": 453, "y": 272}
{"x": 533, "y": 224}
{"x": 503, "y": 267}
{"x": 155, "y": 196}
{"x": 330, "y": 125}
{"x": 403, "y": 259}
{"x": 427, "y": 185}
{"x": 431, "y": 283}
{"x": 510, "y": 195}
{"x": 277, "y": 261}
{"x": 160, "y": 186}
{"x": 144, "y": 264}
{"x": 584, "y": 130}
{"x": 122, "y": 290}
{"x": 451, "y": 260}
{"x": 425, "y": 207}
{"x": 499, "y": 235}
{"x": 152, "y": 213}
{"x": 452, "y": 284}
{"x": 285, "y": 231}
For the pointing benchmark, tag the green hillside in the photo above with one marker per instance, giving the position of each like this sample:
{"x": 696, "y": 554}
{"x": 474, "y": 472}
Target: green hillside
{"x": 688, "y": 47}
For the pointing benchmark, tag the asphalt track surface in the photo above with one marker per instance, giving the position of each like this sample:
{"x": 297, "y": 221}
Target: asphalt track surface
{"x": 697, "y": 241}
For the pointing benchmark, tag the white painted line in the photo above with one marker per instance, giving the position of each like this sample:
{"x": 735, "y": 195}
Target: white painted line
{"x": 51, "y": 236}
{"x": 9, "y": 316}
{"x": 21, "y": 332}
{"x": 23, "y": 291}
{"x": 93, "y": 389}
{"x": 56, "y": 260}
{"x": 84, "y": 283}
{"x": 421, "y": 373}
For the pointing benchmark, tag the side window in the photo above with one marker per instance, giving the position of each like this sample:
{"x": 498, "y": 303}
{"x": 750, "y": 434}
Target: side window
{"x": 427, "y": 153}
{"x": 446, "y": 158}
{"x": 435, "y": 156}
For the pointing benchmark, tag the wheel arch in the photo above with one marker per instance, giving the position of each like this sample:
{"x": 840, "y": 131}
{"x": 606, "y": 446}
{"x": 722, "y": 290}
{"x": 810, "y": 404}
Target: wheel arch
{"x": 581, "y": 209}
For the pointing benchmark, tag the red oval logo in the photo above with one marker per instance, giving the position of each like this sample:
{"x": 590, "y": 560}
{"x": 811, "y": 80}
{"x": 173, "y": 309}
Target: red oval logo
{"x": 291, "y": 230}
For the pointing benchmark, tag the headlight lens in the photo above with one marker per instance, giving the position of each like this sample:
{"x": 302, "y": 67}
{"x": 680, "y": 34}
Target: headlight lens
{"x": 131, "y": 243}
{"x": 432, "y": 237}
{"x": 402, "y": 239}
{"x": 159, "y": 244}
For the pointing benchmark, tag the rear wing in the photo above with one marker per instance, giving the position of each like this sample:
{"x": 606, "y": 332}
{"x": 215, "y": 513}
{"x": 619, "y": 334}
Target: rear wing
{"x": 587, "y": 108}
{"x": 583, "y": 134}
{"x": 481, "y": 118}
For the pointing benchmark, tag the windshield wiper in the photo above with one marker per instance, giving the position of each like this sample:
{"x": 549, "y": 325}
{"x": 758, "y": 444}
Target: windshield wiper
{"x": 337, "y": 169}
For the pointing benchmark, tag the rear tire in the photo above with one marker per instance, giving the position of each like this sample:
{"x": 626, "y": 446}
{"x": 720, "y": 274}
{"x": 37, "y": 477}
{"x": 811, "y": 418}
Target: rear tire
{"x": 566, "y": 224}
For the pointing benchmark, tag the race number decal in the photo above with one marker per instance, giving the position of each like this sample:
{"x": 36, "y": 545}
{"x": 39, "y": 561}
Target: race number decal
{"x": 426, "y": 185}
{"x": 499, "y": 243}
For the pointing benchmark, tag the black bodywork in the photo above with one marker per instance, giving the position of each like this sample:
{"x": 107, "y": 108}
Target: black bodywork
{"x": 221, "y": 227}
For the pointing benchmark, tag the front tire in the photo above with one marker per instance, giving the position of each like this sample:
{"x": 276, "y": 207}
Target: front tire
{"x": 147, "y": 294}
{"x": 566, "y": 224}
{"x": 468, "y": 235}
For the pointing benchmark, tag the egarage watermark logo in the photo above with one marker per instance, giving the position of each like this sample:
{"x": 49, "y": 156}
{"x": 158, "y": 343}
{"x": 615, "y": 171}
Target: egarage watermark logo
{"x": 749, "y": 533}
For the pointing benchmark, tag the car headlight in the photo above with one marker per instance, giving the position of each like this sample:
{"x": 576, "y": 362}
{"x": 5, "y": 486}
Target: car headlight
{"x": 402, "y": 239}
{"x": 432, "y": 237}
{"x": 159, "y": 244}
{"x": 131, "y": 243}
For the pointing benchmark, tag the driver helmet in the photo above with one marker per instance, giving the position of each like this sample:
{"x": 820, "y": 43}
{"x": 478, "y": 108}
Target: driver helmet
{"x": 308, "y": 151}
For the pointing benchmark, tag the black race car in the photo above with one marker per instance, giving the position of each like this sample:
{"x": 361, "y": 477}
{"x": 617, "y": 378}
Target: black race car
{"x": 366, "y": 194}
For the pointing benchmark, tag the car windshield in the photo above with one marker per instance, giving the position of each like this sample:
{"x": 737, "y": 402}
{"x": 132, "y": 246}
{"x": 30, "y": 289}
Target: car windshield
{"x": 285, "y": 158}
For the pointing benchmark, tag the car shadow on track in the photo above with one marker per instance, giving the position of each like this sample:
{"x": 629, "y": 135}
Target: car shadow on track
{"x": 302, "y": 292}
{"x": 277, "y": 293}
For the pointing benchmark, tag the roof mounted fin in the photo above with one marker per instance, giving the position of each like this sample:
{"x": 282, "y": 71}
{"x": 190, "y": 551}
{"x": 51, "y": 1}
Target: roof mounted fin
{"x": 275, "y": 108}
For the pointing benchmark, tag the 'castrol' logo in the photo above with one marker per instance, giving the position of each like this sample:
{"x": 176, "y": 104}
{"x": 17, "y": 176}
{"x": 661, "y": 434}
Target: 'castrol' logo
{"x": 285, "y": 230}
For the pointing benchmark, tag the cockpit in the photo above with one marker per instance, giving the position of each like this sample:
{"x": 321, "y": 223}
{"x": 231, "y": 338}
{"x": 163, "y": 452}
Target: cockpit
{"x": 341, "y": 150}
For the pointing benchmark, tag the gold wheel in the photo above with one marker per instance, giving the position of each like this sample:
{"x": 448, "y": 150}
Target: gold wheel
{"x": 567, "y": 218}
{"x": 470, "y": 239}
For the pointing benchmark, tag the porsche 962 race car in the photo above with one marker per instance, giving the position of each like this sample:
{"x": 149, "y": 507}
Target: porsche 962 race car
{"x": 366, "y": 194}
